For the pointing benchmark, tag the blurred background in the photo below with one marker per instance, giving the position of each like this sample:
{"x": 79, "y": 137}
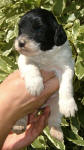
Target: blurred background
{"x": 70, "y": 13}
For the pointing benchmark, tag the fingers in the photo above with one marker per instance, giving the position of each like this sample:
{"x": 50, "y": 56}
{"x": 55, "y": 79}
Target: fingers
{"x": 35, "y": 128}
{"x": 43, "y": 118}
{"x": 46, "y": 112}
{"x": 34, "y": 117}
{"x": 40, "y": 121}
{"x": 47, "y": 75}
{"x": 31, "y": 117}
{"x": 50, "y": 88}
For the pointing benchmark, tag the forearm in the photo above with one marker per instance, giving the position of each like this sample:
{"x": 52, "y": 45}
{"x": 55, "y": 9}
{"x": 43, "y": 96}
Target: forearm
{"x": 6, "y": 120}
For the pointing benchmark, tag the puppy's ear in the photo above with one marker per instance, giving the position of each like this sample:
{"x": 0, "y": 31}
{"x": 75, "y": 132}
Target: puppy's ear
{"x": 60, "y": 36}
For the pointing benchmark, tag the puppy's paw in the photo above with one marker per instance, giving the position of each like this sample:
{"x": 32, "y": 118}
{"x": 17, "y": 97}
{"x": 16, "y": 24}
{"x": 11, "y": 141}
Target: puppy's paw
{"x": 56, "y": 133}
{"x": 34, "y": 85}
{"x": 20, "y": 125}
{"x": 68, "y": 107}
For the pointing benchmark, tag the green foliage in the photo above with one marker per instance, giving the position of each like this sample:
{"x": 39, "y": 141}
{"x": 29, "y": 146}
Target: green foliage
{"x": 70, "y": 13}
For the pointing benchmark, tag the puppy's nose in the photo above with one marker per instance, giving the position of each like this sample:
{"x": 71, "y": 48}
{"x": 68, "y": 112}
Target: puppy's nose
{"x": 21, "y": 44}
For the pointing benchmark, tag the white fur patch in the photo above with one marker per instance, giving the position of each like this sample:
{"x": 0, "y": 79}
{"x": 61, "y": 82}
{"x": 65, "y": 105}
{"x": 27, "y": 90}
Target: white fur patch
{"x": 33, "y": 80}
{"x": 68, "y": 107}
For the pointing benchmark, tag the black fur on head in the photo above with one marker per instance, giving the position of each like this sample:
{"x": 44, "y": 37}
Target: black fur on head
{"x": 41, "y": 26}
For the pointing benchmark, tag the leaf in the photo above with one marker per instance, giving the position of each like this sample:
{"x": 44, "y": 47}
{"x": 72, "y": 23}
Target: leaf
{"x": 76, "y": 85}
{"x": 10, "y": 35}
{"x": 4, "y": 66}
{"x": 38, "y": 2}
{"x": 71, "y": 17}
{"x": 16, "y": 30}
{"x": 12, "y": 65}
{"x": 81, "y": 116}
{"x": 39, "y": 143}
{"x": 82, "y": 101}
{"x": 3, "y": 75}
{"x": 68, "y": 25}
{"x": 56, "y": 143}
{"x": 75, "y": 126}
{"x": 81, "y": 29}
{"x": 75, "y": 29}
{"x": 64, "y": 122}
{"x": 74, "y": 138}
{"x": 79, "y": 70}
{"x": 2, "y": 20}
{"x": 82, "y": 12}
{"x": 80, "y": 50}
{"x": 7, "y": 52}
{"x": 59, "y": 7}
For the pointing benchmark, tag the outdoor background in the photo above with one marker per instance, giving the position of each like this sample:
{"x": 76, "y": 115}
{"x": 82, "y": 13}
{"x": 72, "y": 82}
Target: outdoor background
{"x": 70, "y": 13}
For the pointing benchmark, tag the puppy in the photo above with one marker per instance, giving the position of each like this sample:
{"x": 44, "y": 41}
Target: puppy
{"x": 42, "y": 44}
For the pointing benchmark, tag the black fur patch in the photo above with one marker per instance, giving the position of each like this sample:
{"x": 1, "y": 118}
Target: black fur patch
{"x": 41, "y": 26}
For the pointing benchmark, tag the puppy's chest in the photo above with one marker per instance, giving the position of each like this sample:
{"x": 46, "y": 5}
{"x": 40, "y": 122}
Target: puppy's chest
{"x": 49, "y": 62}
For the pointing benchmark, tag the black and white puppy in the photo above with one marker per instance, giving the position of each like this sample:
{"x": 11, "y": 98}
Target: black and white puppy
{"x": 43, "y": 44}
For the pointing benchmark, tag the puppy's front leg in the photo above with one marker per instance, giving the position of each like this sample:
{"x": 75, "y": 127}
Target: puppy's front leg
{"x": 33, "y": 80}
{"x": 67, "y": 103}
{"x": 31, "y": 75}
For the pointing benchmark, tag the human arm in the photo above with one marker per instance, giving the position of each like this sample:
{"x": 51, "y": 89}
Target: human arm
{"x": 16, "y": 102}
{"x": 33, "y": 130}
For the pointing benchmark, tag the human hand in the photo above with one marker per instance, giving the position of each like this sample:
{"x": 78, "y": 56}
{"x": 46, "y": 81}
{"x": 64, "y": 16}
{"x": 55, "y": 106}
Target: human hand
{"x": 17, "y": 97}
{"x": 17, "y": 102}
{"x": 33, "y": 130}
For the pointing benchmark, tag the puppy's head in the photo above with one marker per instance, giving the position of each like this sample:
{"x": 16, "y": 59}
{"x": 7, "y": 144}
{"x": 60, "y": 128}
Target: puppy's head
{"x": 39, "y": 31}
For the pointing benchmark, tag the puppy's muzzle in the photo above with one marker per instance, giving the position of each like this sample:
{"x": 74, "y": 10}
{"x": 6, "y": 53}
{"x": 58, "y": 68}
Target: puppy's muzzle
{"x": 26, "y": 46}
